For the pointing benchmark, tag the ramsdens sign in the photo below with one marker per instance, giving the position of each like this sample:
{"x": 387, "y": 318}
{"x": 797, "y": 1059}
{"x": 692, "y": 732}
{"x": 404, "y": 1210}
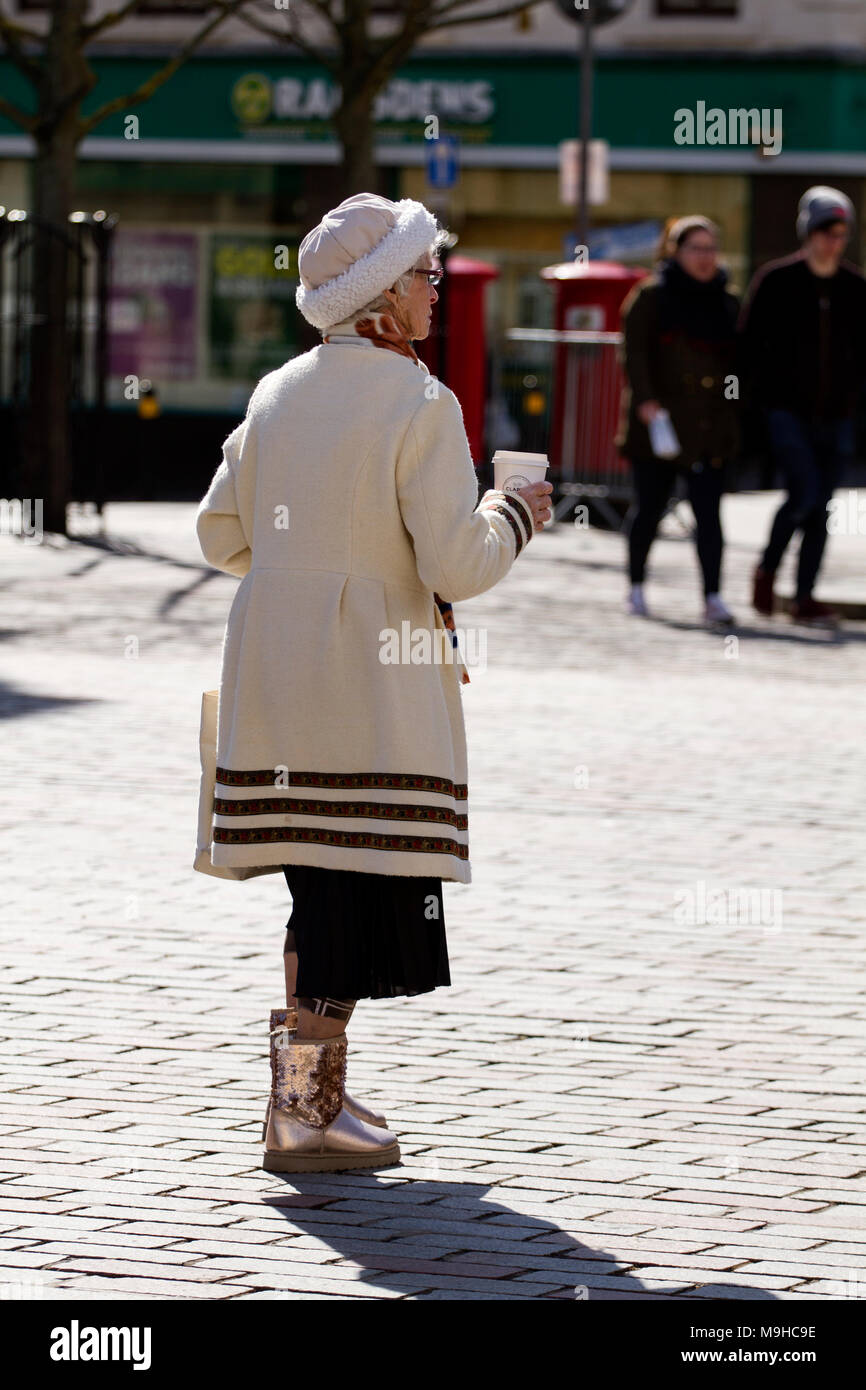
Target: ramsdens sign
{"x": 495, "y": 102}
{"x": 258, "y": 100}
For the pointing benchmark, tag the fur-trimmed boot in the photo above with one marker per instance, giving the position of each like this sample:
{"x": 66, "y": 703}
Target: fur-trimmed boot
{"x": 309, "y": 1130}
{"x": 288, "y": 1019}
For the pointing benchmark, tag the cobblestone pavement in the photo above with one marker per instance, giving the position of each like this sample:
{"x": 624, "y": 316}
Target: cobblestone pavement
{"x": 646, "y": 1081}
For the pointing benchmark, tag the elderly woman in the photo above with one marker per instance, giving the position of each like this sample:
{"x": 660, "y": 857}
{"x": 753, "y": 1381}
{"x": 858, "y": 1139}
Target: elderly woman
{"x": 347, "y": 503}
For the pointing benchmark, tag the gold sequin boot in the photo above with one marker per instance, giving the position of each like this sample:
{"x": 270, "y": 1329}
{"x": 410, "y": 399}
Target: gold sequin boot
{"x": 309, "y": 1130}
{"x": 288, "y": 1019}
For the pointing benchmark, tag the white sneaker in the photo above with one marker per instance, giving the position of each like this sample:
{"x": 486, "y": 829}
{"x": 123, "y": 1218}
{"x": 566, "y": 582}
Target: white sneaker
{"x": 636, "y": 604}
{"x": 717, "y": 612}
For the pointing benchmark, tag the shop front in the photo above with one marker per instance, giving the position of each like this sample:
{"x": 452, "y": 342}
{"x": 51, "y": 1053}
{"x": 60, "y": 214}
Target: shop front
{"x": 225, "y": 169}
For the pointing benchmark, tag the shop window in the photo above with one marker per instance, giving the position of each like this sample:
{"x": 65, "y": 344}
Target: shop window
{"x": 692, "y": 9}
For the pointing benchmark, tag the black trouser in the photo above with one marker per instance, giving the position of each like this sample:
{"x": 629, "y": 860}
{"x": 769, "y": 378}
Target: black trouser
{"x": 811, "y": 455}
{"x": 654, "y": 482}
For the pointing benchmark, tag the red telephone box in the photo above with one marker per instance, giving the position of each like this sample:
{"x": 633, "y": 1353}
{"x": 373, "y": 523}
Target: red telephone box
{"x": 587, "y": 378}
{"x": 466, "y": 351}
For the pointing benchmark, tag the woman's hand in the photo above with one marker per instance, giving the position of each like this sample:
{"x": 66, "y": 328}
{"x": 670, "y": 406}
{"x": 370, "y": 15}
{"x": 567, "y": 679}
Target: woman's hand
{"x": 538, "y": 497}
{"x": 648, "y": 411}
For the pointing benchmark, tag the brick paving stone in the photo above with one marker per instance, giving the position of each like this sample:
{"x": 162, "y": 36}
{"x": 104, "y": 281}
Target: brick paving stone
{"x": 344, "y": 1281}
{"x": 117, "y": 1286}
{"x": 741, "y": 1291}
{"x": 650, "y": 1106}
{"x": 89, "y": 1264}
{"x": 118, "y": 1248}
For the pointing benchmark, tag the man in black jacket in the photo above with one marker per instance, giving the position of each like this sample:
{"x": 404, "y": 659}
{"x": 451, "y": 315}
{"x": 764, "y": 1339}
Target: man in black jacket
{"x": 803, "y": 327}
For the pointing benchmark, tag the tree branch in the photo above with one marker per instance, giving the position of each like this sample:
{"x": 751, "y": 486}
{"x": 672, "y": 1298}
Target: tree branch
{"x": 89, "y": 31}
{"x": 290, "y": 36}
{"x": 388, "y": 53}
{"x": 77, "y": 94}
{"x": 29, "y": 35}
{"x": 478, "y": 18}
{"x": 12, "y": 35}
{"x": 161, "y": 76}
{"x": 18, "y": 117}
{"x": 323, "y": 8}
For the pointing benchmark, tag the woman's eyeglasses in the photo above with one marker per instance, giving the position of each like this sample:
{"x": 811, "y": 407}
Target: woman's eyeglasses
{"x": 433, "y": 276}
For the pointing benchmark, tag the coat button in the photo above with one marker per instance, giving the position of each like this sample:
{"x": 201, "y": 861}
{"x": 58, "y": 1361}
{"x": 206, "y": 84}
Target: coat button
{"x": 707, "y": 381}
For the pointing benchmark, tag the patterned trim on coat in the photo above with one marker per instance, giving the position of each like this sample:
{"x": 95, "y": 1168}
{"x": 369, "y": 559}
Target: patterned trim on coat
{"x": 500, "y": 502}
{"x": 523, "y": 509}
{"x": 394, "y": 781}
{"x": 341, "y": 839}
{"x": 354, "y": 810}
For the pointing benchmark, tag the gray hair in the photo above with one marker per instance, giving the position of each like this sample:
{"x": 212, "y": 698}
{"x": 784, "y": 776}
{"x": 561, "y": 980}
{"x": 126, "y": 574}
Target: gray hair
{"x": 401, "y": 285}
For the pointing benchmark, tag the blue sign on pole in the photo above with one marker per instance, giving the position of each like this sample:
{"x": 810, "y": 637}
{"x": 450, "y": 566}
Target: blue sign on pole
{"x": 442, "y": 161}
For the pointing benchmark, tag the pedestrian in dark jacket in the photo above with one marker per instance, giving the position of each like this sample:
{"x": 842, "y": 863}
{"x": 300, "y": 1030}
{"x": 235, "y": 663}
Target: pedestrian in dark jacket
{"x": 803, "y": 330}
{"x": 679, "y": 356}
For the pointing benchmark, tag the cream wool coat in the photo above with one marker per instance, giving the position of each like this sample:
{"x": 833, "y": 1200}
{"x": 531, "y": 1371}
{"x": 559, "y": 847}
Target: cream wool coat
{"x": 327, "y": 755}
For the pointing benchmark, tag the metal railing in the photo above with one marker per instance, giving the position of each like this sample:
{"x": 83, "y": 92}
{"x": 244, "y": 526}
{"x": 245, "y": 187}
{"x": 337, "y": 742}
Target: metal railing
{"x": 587, "y": 385}
{"x": 85, "y": 241}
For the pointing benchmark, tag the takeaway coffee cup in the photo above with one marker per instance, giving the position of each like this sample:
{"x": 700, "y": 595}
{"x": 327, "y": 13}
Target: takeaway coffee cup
{"x": 512, "y": 470}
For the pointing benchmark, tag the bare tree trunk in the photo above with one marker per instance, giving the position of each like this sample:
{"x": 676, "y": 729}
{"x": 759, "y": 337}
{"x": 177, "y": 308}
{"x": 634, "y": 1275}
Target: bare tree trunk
{"x": 65, "y": 81}
{"x": 355, "y": 128}
{"x": 46, "y": 436}
{"x": 63, "y": 78}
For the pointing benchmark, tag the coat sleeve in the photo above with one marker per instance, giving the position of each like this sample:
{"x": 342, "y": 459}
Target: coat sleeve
{"x": 754, "y": 332}
{"x": 220, "y": 532}
{"x": 462, "y": 547}
{"x": 638, "y": 347}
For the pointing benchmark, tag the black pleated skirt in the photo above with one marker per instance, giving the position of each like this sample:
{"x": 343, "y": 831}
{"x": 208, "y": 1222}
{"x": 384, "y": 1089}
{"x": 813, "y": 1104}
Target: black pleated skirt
{"x": 366, "y": 936}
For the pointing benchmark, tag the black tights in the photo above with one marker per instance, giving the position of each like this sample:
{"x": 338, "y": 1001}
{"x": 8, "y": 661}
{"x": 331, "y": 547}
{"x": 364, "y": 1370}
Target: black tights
{"x": 324, "y": 1006}
{"x": 654, "y": 484}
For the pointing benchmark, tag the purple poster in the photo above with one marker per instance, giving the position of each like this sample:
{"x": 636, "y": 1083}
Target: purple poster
{"x": 152, "y": 305}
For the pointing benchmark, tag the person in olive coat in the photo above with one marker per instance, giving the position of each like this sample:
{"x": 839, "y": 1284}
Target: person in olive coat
{"x": 679, "y": 355}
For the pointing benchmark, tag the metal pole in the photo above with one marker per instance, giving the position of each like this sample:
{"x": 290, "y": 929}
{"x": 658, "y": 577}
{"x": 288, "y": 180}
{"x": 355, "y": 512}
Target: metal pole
{"x": 444, "y": 252}
{"x": 585, "y": 31}
{"x": 102, "y": 236}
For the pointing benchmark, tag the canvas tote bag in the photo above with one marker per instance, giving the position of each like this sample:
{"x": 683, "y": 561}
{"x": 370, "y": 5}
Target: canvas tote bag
{"x": 207, "y": 749}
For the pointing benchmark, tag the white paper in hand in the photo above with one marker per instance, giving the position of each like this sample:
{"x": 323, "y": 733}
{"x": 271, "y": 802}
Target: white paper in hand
{"x": 663, "y": 436}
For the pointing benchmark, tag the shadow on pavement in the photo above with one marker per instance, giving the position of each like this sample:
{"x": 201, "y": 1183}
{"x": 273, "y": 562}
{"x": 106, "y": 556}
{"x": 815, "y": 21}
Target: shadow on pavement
{"x": 14, "y": 701}
{"x": 414, "y": 1210}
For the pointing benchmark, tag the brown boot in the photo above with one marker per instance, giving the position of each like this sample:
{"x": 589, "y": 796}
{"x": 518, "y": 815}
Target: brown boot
{"x": 813, "y": 613}
{"x": 763, "y": 598}
{"x": 288, "y": 1019}
{"x": 309, "y": 1130}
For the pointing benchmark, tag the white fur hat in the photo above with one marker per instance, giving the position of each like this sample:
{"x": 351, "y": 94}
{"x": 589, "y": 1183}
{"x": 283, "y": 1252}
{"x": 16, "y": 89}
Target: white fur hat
{"x": 356, "y": 252}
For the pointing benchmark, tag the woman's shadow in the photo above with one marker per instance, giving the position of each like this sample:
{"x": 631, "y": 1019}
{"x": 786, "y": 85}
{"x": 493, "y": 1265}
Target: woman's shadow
{"x": 405, "y": 1231}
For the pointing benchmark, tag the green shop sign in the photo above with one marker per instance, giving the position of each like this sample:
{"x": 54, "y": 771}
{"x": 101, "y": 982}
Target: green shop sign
{"x": 515, "y": 103}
